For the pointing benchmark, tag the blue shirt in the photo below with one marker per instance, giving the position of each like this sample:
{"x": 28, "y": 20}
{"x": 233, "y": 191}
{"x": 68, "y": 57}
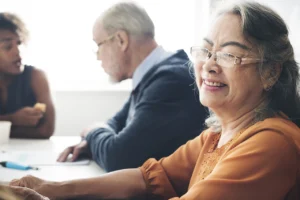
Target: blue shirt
{"x": 156, "y": 56}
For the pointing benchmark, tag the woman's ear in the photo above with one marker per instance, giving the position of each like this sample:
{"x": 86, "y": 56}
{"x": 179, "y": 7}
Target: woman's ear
{"x": 123, "y": 40}
{"x": 270, "y": 75}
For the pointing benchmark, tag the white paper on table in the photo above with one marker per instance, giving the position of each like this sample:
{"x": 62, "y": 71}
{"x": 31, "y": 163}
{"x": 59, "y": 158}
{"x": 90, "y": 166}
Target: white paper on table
{"x": 39, "y": 158}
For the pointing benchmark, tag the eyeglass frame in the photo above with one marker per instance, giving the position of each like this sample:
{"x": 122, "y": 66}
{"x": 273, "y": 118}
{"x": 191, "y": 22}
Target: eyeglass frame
{"x": 104, "y": 41}
{"x": 242, "y": 60}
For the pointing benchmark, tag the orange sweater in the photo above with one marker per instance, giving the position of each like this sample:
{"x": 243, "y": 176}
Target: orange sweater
{"x": 260, "y": 163}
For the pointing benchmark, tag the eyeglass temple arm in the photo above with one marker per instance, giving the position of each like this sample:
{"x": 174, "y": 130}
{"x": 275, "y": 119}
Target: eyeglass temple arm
{"x": 245, "y": 61}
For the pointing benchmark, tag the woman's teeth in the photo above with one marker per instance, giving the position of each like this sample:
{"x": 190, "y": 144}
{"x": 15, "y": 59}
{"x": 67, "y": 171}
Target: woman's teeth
{"x": 215, "y": 84}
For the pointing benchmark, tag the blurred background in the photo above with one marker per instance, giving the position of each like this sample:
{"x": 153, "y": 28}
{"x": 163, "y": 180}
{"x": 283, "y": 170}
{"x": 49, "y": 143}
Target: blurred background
{"x": 61, "y": 44}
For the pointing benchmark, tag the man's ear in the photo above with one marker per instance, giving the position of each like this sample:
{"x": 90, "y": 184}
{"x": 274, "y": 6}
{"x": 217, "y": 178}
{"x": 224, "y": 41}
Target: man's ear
{"x": 122, "y": 40}
{"x": 270, "y": 75}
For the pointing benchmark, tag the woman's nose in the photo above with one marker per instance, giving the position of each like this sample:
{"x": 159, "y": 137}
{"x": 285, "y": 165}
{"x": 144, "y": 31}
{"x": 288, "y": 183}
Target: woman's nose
{"x": 16, "y": 50}
{"x": 210, "y": 65}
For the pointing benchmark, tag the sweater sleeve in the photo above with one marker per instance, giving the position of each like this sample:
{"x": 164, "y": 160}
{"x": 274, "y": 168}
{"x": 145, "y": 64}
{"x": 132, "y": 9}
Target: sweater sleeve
{"x": 170, "y": 176}
{"x": 264, "y": 167}
{"x": 164, "y": 117}
{"x": 117, "y": 123}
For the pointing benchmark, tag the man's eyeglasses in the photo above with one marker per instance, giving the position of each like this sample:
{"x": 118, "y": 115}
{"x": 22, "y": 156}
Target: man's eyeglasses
{"x": 221, "y": 58}
{"x": 104, "y": 41}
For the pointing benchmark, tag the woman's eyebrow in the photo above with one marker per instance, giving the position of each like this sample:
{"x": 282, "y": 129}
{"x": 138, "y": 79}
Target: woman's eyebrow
{"x": 237, "y": 44}
{"x": 5, "y": 39}
{"x": 230, "y": 43}
{"x": 208, "y": 41}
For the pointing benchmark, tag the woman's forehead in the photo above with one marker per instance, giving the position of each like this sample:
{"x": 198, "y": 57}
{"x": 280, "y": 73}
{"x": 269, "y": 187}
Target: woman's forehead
{"x": 226, "y": 28}
{"x": 7, "y": 34}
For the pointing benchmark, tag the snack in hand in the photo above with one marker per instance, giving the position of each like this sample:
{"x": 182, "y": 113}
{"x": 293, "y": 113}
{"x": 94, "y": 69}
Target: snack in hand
{"x": 40, "y": 106}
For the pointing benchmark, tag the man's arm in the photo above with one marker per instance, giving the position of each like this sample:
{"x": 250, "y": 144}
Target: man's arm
{"x": 118, "y": 122}
{"x": 160, "y": 118}
{"x": 113, "y": 125}
{"x": 42, "y": 93}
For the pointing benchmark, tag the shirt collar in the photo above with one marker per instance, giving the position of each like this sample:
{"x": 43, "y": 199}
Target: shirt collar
{"x": 156, "y": 56}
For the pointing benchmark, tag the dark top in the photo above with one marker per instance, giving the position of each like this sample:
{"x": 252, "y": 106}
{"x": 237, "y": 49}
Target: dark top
{"x": 165, "y": 113}
{"x": 19, "y": 93}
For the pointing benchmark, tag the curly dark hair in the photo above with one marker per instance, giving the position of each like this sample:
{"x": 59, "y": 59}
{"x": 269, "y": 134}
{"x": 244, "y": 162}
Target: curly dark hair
{"x": 13, "y": 23}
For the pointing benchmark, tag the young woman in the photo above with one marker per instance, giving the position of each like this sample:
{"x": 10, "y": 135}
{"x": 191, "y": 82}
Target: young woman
{"x": 22, "y": 86}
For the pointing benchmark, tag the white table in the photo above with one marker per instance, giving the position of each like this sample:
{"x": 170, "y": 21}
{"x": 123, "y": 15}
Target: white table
{"x": 52, "y": 173}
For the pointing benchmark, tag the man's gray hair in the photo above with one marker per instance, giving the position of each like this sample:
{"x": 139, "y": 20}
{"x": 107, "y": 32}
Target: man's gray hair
{"x": 129, "y": 17}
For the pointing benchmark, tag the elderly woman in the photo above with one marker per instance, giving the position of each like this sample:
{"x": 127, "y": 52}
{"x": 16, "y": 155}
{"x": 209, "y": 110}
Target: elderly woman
{"x": 247, "y": 76}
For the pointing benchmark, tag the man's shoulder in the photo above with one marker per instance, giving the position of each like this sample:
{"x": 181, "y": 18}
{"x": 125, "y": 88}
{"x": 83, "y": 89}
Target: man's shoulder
{"x": 177, "y": 64}
{"x": 176, "y": 60}
{"x": 173, "y": 71}
{"x": 168, "y": 78}
{"x": 181, "y": 71}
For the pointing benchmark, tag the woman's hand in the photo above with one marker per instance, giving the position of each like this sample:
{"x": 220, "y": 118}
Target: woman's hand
{"x": 22, "y": 193}
{"x": 26, "y": 116}
{"x": 34, "y": 183}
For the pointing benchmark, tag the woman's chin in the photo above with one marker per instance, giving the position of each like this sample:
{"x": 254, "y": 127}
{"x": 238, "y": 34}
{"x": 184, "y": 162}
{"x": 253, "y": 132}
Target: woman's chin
{"x": 210, "y": 103}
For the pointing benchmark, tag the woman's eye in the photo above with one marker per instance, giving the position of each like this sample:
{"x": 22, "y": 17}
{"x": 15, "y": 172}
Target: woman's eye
{"x": 228, "y": 56}
{"x": 7, "y": 47}
{"x": 203, "y": 52}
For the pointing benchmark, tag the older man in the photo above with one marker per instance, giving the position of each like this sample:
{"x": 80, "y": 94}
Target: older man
{"x": 162, "y": 112}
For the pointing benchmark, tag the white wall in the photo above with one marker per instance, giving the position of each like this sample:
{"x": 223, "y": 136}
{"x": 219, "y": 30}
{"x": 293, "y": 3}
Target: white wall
{"x": 62, "y": 30}
{"x": 77, "y": 109}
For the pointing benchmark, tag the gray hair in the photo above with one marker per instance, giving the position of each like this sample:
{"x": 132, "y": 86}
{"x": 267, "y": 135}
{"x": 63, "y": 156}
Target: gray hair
{"x": 267, "y": 31}
{"x": 129, "y": 17}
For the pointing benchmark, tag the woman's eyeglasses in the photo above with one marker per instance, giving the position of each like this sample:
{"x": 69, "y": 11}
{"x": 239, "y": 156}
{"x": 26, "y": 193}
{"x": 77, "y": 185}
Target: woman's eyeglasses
{"x": 221, "y": 58}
